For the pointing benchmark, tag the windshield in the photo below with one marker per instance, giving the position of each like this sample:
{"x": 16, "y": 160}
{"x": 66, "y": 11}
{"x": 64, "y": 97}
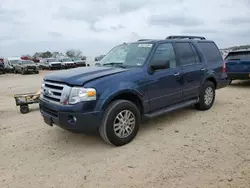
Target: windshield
{"x": 134, "y": 54}
{"x": 14, "y": 62}
{"x": 77, "y": 59}
{"x": 244, "y": 55}
{"x": 66, "y": 60}
{"x": 27, "y": 62}
{"x": 52, "y": 60}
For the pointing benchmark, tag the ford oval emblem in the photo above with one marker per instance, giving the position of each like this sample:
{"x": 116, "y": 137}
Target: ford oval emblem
{"x": 47, "y": 92}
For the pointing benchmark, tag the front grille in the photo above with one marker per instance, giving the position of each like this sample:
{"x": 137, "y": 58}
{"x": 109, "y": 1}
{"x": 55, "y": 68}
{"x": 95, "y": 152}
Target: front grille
{"x": 53, "y": 91}
{"x": 31, "y": 67}
{"x": 56, "y": 65}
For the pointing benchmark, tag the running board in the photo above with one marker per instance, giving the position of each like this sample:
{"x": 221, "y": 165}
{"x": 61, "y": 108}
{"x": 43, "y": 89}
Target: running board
{"x": 171, "y": 108}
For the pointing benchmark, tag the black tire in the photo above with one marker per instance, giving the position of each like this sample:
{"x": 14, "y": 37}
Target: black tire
{"x": 106, "y": 128}
{"x": 22, "y": 72}
{"x": 36, "y": 72}
{"x": 202, "y": 105}
{"x": 230, "y": 82}
{"x": 24, "y": 109}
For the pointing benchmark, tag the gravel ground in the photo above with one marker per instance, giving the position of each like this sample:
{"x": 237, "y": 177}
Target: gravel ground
{"x": 186, "y": 148}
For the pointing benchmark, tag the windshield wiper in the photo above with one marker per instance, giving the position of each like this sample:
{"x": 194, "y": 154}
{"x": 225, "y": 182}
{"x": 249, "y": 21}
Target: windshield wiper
{"x": 115, "y": 64}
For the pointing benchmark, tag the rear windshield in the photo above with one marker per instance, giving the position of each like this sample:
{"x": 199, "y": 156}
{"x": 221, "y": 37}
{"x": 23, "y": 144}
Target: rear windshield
{"x": 238, "y": 55}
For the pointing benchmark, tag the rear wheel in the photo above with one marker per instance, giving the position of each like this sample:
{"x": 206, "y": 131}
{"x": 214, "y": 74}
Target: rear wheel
{"x": 207, "y": 96}
{"x": 120, "y": 123}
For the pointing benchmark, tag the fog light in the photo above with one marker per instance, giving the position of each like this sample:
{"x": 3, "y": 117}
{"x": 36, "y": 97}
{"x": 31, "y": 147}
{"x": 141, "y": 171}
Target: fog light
{"x": 72, "y": 119}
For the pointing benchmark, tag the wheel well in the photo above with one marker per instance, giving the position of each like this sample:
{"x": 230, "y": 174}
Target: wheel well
{"x": 129, "y": 97}
{"x": 212, "y": 79}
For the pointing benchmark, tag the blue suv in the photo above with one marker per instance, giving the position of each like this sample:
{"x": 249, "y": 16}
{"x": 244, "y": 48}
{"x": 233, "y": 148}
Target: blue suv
{"x": 134, "y": 81}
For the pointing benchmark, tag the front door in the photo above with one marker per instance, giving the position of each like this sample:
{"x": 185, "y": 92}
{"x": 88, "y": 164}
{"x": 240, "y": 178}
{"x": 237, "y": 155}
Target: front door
{"x": 193, "y": 67}
{"x": 164, "y": 86}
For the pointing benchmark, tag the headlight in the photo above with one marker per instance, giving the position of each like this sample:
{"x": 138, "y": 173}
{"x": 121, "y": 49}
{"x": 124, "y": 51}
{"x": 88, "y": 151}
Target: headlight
{"x": 42, "y": 88}
{"x": 79, "y": 94}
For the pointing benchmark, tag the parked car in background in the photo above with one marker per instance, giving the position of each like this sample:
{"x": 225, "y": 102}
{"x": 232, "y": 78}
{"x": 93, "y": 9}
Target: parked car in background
{"x": 2, "y": 67}
{"x": 67, "y": 63}
{"x": 79, "y": 62}
{"x": 50, "y": 63}
{"x": 26, "y": 66}
{"x": 137, "y": 80}
{"x": 237, "y": 65}
{"x": 11, "y": 63}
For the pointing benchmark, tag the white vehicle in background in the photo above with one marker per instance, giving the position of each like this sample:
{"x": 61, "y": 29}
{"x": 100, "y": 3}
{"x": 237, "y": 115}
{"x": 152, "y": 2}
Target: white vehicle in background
{"x": 11, "y": 62}
{"x": 67, "y": 63}
{"x": 50, "y": 63}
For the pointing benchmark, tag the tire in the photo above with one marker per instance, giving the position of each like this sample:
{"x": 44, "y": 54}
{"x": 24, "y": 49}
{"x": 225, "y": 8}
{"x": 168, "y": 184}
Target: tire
{"x": 106, "y": 128}
{"x": 230, "y": 82}
{"x": 22, "y": 72}
{"x": 15, "y": 72}
{"x": 208, "y": 89}
{"x": 36, "y": 72}
{"x": 24, "y": 109}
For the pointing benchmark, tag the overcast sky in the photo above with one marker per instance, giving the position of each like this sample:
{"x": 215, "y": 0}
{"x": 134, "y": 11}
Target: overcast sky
{"x": 95, "y": 26}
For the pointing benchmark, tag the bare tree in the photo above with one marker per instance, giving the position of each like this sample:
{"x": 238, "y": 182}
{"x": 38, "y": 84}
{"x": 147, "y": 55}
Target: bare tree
{"x": 74, "y": 53}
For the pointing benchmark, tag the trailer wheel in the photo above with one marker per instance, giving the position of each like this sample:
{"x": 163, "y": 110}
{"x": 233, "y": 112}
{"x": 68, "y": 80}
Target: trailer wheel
{"x": 24, "y": 109}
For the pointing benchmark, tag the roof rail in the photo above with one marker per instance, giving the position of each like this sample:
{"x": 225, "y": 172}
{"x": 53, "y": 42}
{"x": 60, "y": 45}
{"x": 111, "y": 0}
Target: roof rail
{"x": 144, "y": 39}
{"x": 185, "y": 37}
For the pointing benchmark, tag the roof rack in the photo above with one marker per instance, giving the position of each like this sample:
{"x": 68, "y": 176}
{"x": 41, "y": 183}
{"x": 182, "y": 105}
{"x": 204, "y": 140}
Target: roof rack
{"x": 144, "y": 39}
{"x": 185, "y": 37}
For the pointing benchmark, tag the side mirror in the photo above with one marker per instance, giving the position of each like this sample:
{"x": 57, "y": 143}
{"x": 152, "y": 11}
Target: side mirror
{"x": 159, "y": 64}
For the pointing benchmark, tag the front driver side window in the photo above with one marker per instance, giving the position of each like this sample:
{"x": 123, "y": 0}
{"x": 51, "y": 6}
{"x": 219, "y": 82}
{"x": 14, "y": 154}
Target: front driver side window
{"x": 165, "y": 51}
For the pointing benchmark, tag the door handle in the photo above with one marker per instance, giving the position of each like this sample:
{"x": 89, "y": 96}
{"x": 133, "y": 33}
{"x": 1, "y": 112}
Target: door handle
{"x": 203, "y": 69}
{"x": 177, "y": 74}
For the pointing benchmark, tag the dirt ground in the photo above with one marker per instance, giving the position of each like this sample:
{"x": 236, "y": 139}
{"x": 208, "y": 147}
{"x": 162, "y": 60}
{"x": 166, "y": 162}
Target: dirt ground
{"x": 186, "y": 148}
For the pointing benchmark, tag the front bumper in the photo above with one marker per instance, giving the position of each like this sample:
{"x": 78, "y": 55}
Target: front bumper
{"x": 30, "y": 70}
{"x": 62, "y": 116}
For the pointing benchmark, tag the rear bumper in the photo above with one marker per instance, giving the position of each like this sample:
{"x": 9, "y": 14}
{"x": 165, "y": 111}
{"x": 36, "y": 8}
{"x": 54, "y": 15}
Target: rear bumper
{"x": 223, "y": 83}
{"x": 239, "y": 76}
{"x": 54, "y": 114}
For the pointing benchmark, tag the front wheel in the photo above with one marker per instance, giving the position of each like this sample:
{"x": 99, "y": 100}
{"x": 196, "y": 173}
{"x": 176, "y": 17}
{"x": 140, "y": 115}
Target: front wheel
{"x": 120, "y": 123}
{"x": 207, "y": 96}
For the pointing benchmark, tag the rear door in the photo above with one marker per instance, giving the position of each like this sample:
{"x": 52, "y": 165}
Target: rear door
{"x": 164, "y": 86}
{"x": 193, "y": 68}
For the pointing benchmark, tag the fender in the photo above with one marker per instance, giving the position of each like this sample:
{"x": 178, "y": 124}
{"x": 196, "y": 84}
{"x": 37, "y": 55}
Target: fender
{"x": 209, "y": 75}
{"x": 105, "y": 98}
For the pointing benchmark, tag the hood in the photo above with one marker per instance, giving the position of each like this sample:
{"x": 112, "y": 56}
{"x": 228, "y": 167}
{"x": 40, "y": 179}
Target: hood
{"x": 80, "y": 76}
{"x": 30, "y": 65}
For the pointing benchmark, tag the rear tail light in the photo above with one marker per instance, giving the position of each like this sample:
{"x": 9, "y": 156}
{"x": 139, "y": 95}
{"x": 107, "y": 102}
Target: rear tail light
{"x": 224, "y": 68}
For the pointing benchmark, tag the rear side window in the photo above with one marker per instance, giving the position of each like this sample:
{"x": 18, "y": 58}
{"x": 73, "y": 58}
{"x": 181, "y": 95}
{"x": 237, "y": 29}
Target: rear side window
{"x": 211, "y": 53}
{"x": 196, "y": 55}
{"x": 239, "y": 55}
{"x": 185, "y": 52}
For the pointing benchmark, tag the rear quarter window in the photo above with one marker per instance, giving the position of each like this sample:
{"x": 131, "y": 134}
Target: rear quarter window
{"x": 210, "y": 52}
